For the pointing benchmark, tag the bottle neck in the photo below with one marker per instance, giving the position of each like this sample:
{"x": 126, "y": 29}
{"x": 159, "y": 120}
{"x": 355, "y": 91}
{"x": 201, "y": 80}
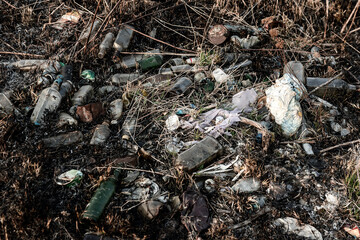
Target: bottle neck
{"x": 57, "y": 82}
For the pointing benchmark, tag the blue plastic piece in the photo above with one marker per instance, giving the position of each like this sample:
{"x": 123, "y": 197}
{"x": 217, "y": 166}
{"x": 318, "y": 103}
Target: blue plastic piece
{"x": 180, "y": 112}
{"x": 258, "y": 138}
{"x": 59, "y": 79}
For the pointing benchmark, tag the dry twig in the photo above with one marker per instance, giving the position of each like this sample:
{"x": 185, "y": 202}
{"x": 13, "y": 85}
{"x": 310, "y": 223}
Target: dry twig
{"x": 23, "y": 54}
{"x": 155, "y": 39}
{"x": 352, "y": 15}
{"x": 324, "y": 84}
{"x": 340, "y": 145}
{"x": 248, "y": 221}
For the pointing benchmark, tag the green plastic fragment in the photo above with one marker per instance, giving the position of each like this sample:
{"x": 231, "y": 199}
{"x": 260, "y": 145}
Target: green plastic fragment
{"x": 88, "y": 74}
{"x": 70, "y": 178}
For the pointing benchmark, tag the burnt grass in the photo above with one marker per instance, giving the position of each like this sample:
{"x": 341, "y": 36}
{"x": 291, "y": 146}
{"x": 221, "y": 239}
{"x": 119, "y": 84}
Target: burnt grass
{"x": 33, "y": 206}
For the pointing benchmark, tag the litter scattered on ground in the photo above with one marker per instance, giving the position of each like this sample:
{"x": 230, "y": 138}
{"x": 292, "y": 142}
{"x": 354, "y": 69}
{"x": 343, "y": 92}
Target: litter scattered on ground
{"x": 133, "y": 120}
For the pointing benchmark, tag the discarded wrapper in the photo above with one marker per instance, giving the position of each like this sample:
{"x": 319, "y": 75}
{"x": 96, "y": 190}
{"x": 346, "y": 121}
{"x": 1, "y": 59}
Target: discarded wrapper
{"x": 69, "y": 178}
{"x": 70, "y": 17}
{"x": 354, "y": 231}
{"x": 88, "y": 74}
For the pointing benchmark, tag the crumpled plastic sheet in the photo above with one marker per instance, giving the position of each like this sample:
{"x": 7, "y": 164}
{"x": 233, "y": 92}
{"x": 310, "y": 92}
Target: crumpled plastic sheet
{"x": 241, "y": 101}
{"x": 292, "y": 225}
{"x": 282, "y": 99}
{"x": 244, "y": 99}
{"x": 195, "y": 213}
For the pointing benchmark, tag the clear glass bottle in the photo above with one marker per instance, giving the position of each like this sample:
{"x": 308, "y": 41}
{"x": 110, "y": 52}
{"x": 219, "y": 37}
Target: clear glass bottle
{"x": 6, "y": 106}
{"x": 101, "y": 134}
{"x": 48, "y": 102}
{"x": 123, "y": 38}
{"x": 106, "y": 44}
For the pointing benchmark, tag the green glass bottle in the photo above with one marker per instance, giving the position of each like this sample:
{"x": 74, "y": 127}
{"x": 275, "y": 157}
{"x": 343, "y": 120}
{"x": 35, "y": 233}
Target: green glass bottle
{"x": 151, "y": 62}
{"x": 101, "y": 198}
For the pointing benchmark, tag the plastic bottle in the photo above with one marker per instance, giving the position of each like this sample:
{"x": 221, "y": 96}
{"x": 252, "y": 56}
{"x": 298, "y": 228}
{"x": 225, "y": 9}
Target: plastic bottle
{"x": 6, "y": 107}
{"x": 67, "y": 86}
{"x": 246, "y": 43}
{"x": 101, "y": 134}
{"x": 48, "y": 102}
{"x": 334, "y": 87}
{"x": 49, "y": 74}
{"x": 123, "y": 38}
{"x": 106, "y": 44}
{"x": 63, "y": 139}
{"x": 128, "y": 128}
{"x": 123, "y": 78}
{"x": 88, "y": 31}
{"x": 245, "y": 63}
{"x": 130, "y": 61}
{"x": 176, "y": 61}
{"x": 29, "y": 64}
{"x": 116, "y": 108}
{"x": 83, "y": 95}
{"x": 181, "y": 68}
{"x": 181, "y": 85}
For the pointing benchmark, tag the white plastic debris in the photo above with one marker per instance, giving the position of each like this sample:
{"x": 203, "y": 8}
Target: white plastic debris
{"x": 246, "y": 43}
{"x": 199, "y": 76}
{"x": 219, "y": 119}
{"x": 292, "y": 226}
{"x": 144, "y": 189}
{"x": 335, "y": 126}
{"x": 308, "y": 149}
{"x": 344, "y": 132}
{"x": 68, "y": 18}
{"x": 220, "y": 76}
{"x": 116, "y": 109}
{"x": 66, "y": 119}
{"x": 331, "y": 203}
{"x": 244, "y": 99}
{"x": 70, "y": 178}
{"x": 205, "y": 122}
{"x": 209, "y": 185}
{"x": 246, "y": 185}
{"x": 150, "y": 209}
{"x": 172, "y": 123}
{"x": 174, "y": 146}
{"x": 283, "y": 102}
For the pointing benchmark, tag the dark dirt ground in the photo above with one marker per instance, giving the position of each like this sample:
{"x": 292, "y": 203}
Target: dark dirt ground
{"x": 33, "y": 206}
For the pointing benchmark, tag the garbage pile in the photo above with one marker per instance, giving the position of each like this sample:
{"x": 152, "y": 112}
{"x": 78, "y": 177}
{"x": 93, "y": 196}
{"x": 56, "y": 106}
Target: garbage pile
{"x": 194, "y": 144}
